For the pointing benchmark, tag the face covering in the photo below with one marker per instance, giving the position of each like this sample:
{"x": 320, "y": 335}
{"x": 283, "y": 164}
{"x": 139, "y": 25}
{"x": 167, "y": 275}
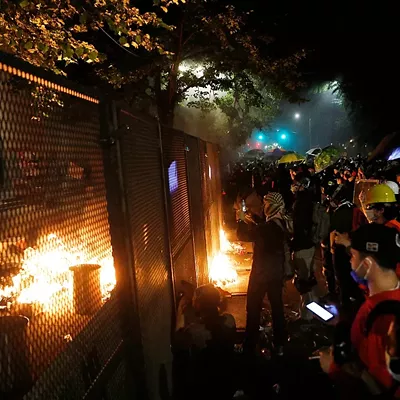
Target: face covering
{"x": 359, "y": 280}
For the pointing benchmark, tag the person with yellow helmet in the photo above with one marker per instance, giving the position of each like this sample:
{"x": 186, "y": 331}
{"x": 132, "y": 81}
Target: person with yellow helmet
{"x": 381, "y": 206}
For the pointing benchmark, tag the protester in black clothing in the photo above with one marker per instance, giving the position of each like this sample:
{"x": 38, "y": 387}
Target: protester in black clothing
{"x": 342, "y": 222}
{"x": 303, "y": 245}
{"x": 267, "y": 271}
{"x": 350, "y": 180}
{"x": 204, "y": 359}
{"x": 284, "y": 182}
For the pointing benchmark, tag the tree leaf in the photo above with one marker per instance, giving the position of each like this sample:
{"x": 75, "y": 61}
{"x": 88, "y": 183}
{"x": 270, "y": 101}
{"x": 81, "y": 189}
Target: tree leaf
{"x": 24, "y": 3}
{"x": 69, "y": 52}
{"x": 165, "y": 9}
{"x": 123, "y": 41}
{"x": 138, "y": 39}
{"x": 44, "y": 48}
{"x": 28, "y": 45}
{"x": 102, "y": 57}
{"x": 93, "y": 55}
{"x": 79, "y": 51}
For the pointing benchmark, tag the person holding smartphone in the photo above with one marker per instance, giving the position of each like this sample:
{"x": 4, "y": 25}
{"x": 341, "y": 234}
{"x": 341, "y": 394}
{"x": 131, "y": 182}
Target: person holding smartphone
{"x": 375, "y": 251}
{"x": 267, "y": 273}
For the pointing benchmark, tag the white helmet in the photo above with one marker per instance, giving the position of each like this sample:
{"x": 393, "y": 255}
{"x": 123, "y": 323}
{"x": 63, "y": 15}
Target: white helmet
{"x": 394, "y": 186}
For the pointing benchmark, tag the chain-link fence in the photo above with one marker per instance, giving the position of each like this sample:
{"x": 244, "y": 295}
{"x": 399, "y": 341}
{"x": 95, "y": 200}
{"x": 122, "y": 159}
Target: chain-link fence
{"x": 58, "y": 309}
{"x": 103, "y": 214}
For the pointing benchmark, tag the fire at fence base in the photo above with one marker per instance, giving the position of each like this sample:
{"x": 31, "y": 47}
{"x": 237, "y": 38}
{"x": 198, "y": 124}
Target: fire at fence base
{"x": 223, "y": 271}
{"x": 50, "y": 289}
{"x": 62, "y": 200}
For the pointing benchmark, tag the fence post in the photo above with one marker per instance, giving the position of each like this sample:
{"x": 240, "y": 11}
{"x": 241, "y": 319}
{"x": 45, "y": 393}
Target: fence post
{"x": 191, "y": 213}
{"x": 168, "y": 226}
{"x": 122, "y": 247}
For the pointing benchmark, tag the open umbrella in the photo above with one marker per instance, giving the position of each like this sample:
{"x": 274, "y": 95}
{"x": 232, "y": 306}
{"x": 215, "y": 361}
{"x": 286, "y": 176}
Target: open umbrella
{"x": 291, "y": 158}
{"x": 328, "y": 156}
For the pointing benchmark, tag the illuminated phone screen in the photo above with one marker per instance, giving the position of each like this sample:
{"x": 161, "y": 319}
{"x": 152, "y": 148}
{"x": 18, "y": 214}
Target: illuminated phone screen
{"x": 320, "y": 311}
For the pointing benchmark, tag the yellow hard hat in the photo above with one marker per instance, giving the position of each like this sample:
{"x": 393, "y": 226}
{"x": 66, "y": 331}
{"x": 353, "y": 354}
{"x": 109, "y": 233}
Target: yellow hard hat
{"x": 380, "y": 194}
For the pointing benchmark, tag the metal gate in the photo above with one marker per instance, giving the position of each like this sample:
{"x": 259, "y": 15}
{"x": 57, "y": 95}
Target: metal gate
{"x": 196, "y": 207}
{"x": 144, "y": 185}
{"x": 102, "y": 214}
{"x": 216, "y": 192}
{"x": 60, "y": 330}
{"x": 179, "y": 208}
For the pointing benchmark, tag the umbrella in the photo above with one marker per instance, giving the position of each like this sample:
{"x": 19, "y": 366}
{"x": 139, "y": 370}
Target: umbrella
{"x": 291, "y": 158}
{"x": 328, "y": 156}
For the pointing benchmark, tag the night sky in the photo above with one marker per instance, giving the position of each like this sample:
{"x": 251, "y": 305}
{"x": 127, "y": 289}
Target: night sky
{"x": 349, "y": 41}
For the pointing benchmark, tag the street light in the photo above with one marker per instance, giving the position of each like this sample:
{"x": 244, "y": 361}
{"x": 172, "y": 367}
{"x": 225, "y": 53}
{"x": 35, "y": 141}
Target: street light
{"x": 283, "y": 136}
{"x": 297, "y": 116}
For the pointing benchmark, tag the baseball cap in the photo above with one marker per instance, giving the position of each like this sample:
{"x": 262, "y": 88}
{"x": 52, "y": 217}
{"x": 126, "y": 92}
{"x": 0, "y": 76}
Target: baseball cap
{"x": 379, "y": 241}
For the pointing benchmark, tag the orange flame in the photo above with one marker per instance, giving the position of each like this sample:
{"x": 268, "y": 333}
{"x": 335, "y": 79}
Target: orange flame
{"x": 45, "y": 272}
{"x": 222, "y": 272}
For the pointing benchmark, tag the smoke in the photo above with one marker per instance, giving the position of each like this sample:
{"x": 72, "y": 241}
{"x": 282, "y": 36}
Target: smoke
{"x": 211, "y": 126}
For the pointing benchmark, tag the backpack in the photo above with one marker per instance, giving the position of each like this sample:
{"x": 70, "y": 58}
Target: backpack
{"x": 321, "y": 223}
{"x": 288, "y": 264}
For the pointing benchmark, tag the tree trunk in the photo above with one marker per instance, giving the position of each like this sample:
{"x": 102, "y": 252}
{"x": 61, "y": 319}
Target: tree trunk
{"x": 166, "y": 114}
{"x": 167, "y": 100}
{"x": 164, "y": 111}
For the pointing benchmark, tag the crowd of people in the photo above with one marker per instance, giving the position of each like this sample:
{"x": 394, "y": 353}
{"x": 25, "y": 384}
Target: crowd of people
{"x": 300, "y": 213}
{"x": 350, "y": 213}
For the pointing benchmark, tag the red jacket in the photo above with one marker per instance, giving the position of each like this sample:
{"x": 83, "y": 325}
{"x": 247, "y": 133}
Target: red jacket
{"x": 371, "y": 349}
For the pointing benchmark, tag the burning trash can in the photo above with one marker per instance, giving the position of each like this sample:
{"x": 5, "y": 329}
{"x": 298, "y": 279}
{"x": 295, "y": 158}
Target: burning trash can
{"x": 87, "y": 288}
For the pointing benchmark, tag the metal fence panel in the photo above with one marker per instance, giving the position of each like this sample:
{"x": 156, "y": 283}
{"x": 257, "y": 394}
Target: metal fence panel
{"x": 59, "y": 321}
{"x": 143, "y": 177}
{"x": 218, "y": 181}
{"x": 196, "y": 208}
{"x": 214, "y": 196}
{"x": 175, "y": 152}
{"x": 175, "y": 161}
{"x": 65, "y": 331}
{"x": 206, "y": 198}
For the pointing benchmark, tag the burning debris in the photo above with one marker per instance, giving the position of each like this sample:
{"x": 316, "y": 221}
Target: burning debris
{"x": 44, "y": 280}
{"x": 229, "y": 247}
{"x": 222, "y": 270}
